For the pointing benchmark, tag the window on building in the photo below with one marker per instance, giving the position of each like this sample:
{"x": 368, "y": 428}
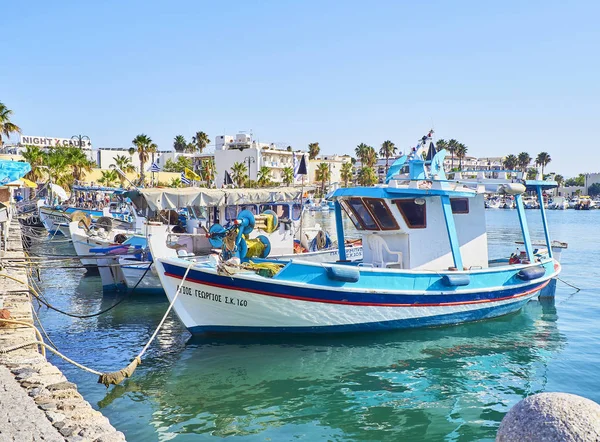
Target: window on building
{"x": 414, "y": 214}
{"x": 381, "y": 213}
{"x": 362, "y": 213}
{"x": 459, "y": 205}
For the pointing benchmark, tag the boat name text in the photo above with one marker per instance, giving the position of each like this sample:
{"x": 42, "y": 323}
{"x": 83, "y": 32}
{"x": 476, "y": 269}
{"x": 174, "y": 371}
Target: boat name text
{"x": 215, "y": 297}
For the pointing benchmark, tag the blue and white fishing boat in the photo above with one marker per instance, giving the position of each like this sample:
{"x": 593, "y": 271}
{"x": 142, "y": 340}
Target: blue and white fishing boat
{"x": 425, "y": 263}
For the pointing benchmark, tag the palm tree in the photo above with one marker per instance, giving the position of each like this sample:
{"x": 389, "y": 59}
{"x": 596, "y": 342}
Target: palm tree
{"x": 560, "y": 180}
{"x": 264, "y": 176}
{"x": 36, "y": 157}
{"x": 510, "y": 162}
{"x": 124, "y": 163}
{"x": 543, "y": 159}
{"x": 288, "y": 175}
{"x": 523, "y": 161}
{"x": 387, "y": 150}
{"x": 200, "y": 141}
{"x": 313, "y": 150}
{"x": 367, "y": 176}
{"x": 179, "y": 143}
{"x": 323, "y": 174}
{"x": 6, "y": 126}
{"x": 78, "y": 161}
{"x": 143, "y": 144}
{"x": 109, "y": 177}
{"x": 60, "y": 170}
{"x": 239, "y": 174}
{"x": 366, "y": 154}
{"x": 531, "y": 173}
{"x": 452, "y": 147}
{"x": 461, "y": 152}
{"x": 361, "y": 151}
{"x": 207, "y": 170}
{"x": 346, "y": 173}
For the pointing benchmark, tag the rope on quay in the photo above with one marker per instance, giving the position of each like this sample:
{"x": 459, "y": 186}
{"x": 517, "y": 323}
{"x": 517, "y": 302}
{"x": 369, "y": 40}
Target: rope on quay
{"x": 37, "y": 332}
{"x": 107, "y": 379}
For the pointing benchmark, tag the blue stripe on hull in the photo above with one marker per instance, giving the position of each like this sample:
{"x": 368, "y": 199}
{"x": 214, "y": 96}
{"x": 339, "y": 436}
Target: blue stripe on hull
{"x": 338, "y": 295}
{"x": 431, "y": 321}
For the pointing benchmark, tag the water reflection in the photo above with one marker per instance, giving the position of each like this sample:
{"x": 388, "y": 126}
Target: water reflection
{"x": 394, "y": 386}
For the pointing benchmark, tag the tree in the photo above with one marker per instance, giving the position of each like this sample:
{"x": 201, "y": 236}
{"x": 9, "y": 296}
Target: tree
{"x": 142, "y": 143}
{"x": 367, "y": 176}
{"x": 366, "y": 154}
{"x": 207, "y": 170}
{"x": 289, "y": 148}
{"x": 36, "y": 157}
{"x": 461, "y": 153}
{"x": 109, "y": 177}
{"x": 175, "y": 182}
{"x": 124, "y": 163}
{"x": 264, "y": 176}
{"x": 510, "y": 162}
{"x": 543, "y": 159}
{"x": 313, "y": 150}
{"x": 199, "y": 142}
{"x": 79, "y": 161}
{"x": 346, "y": 173}
{"x": 531, "y": 173}
{"x": 179, "y": 165}
{"x": 288, "y": 175}
{"x": 180, "y": 144}
{"x": 441, "y": 144}
{"x": 559, "y": 180}
{"x": 323, "y": 174}
{"x": 578, "y": 181}
{"x": 6, "y": 126}
{"x": 594, "y": 189}
{"x": 59, "y": 169}
{"x": 452, "y": 147}
{"x": 239, "y": 174}
{"x": 387, "y": 150}
{"x": 131, "y": 151}
{"x": 523, "y": 161}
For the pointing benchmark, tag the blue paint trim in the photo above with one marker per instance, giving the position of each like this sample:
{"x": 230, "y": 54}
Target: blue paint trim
{"x": 452, "y": 235}
{"x": 544, "y": 220}
{"x": 524, "y": 228}
{"x": 336, "y": 294}
{"x": 394, "y": 192}
{"x": 430, "y": 321}
{"x": 339, "y": 226}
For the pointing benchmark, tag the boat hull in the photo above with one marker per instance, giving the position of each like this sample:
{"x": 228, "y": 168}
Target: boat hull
{"x": 136, "y": 275}
{"x": 210, "y": 303}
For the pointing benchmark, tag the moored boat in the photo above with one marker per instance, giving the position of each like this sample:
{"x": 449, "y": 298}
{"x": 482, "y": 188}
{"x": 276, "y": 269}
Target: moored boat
{"x": 425, "y": 263}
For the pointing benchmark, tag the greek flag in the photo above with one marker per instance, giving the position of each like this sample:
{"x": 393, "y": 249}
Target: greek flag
{"x": 154, "y": 168}
{"x": 296, "y": 164}
{"x": 185, "y": 180}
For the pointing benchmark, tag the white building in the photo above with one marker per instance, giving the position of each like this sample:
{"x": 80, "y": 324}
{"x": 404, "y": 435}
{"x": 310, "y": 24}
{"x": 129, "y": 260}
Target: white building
{"x": 335, "y": 163}
{"x": 243, "y": 149}
{"x": 105, "y": 157}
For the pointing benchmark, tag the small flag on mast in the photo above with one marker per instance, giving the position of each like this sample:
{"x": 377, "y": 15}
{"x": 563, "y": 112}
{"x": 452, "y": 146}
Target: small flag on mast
{"x": 185, "y": 179}
{"x": 154, "y": 168}
{"x": 191, "y": 175}
{"x": 302, "y": 166}
{"x": 227, "y": 179}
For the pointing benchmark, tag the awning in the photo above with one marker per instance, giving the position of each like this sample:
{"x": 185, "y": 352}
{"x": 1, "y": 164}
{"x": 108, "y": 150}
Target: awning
{"x": 28, "y": 183}
{"x": 12, "y": 170}
{"x": 59, "y": 192}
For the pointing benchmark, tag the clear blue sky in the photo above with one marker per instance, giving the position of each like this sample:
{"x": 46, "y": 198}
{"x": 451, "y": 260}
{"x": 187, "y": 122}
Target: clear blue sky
{"x": 502, "y": 77}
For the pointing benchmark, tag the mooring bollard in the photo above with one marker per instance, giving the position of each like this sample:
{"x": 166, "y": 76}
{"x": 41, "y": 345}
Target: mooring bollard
{"x": 551, "y": 417}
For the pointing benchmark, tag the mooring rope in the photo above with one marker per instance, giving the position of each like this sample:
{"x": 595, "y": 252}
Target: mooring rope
{"x": 107, "y": 379}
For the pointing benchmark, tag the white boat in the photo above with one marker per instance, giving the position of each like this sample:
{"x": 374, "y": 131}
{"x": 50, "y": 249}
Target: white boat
{"x": 425, "y": 263}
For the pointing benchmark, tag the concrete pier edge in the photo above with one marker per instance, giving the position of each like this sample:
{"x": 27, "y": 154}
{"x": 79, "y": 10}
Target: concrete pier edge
{"x": 37, "y": 402}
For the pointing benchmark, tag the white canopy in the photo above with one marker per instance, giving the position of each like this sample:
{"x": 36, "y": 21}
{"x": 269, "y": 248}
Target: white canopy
{"x": 166, "y": 198}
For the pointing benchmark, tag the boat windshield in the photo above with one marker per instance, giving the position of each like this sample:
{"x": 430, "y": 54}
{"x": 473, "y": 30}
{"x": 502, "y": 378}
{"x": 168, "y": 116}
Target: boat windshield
{"x": 231, "y": 212}
{"x": 281, "y": 210}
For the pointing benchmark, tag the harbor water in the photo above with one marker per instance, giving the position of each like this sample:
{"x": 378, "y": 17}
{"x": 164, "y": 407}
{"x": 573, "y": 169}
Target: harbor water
{"x": 441, "y": 384}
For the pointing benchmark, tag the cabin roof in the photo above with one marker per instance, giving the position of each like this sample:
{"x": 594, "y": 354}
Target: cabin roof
{"x": 386, "y": 191}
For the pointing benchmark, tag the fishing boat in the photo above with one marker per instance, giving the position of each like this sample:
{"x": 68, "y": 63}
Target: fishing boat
{"x": 425, "y": 263}
{"x": 285, "y": 235}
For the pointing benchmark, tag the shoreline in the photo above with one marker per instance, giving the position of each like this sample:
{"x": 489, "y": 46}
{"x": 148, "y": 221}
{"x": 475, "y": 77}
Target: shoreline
{"x": 39, "y": 403}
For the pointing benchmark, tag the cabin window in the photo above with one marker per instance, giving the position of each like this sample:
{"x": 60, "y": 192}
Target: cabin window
{"x": 281, "y": 210}
{"x": 231, "y": 212}
{"x": 381, "y": 213}
{"x": 362, "y": 213}
{"x": 459, "y": 205}
{"x": 414, "y": 214}
{"x": 351, "y": 215}
{"x": 296, "y": 211}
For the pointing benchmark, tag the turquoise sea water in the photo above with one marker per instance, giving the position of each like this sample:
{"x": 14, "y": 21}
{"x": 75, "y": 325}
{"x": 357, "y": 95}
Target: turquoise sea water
{"x": 443, "y": 384}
